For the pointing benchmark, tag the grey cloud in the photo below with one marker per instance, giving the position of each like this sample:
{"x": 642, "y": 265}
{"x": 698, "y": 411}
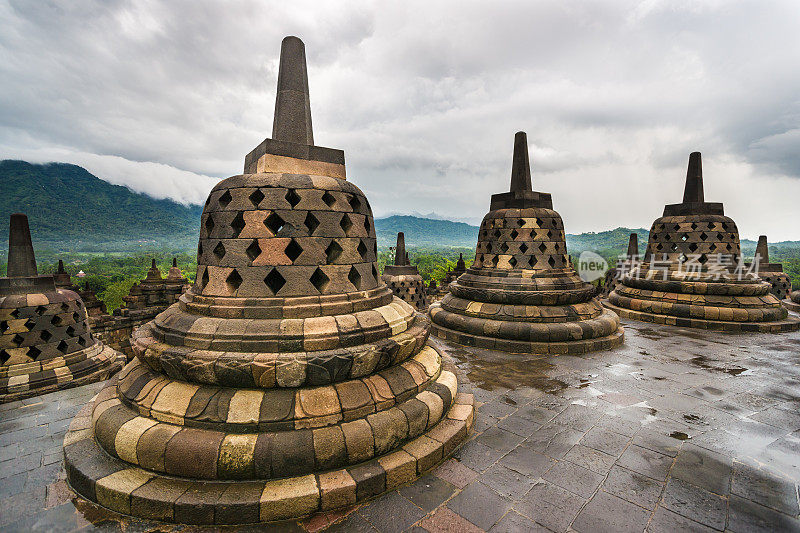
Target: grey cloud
{"x": 424, "y": 97}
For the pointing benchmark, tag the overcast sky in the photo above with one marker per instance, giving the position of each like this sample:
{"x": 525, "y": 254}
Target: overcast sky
{"x": 424, "y": 98}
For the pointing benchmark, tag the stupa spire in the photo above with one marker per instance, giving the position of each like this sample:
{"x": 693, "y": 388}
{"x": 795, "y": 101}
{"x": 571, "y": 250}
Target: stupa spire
{"x": 21, "y": 261}
{"x": 292, "y": 121}
{"x": 521, "y": 166}
{"x": 762, "y": 252}
{"x": 693, "y": 192}
{"x": 633, "y": 245}
{"x": 400, "y": 257}
{"x": 60, "y": 266}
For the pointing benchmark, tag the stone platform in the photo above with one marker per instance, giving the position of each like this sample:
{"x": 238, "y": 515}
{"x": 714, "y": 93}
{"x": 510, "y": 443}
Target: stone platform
{"x": 649, "y": 436}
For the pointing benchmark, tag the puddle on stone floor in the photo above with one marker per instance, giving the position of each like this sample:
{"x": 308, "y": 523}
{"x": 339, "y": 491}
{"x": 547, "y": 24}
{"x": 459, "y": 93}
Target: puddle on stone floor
{"x": 679, "y": 435}
{"x": 703, "y": 362}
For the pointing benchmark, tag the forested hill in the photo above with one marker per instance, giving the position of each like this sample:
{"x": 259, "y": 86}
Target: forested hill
{"x": 67, "y": 203}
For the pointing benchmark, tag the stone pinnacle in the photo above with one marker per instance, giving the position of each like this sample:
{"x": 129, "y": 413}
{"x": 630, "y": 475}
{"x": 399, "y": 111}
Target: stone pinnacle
{"x": 633, "y": 245}
{"x": 762, "y": 252}
{"x": 21, "y": 261}
{"x": 400, "y": 250}
{"x": 521, "y": 166}
{"x": 693, "y": 193}
{"x": 174, "y": 261}
{"x": 60, "y": 266}
{"x": 292, "y": 122}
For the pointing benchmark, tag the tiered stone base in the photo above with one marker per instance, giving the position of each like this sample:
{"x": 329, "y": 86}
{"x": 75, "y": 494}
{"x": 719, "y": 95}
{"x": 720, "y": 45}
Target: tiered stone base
{"x": 790, "y": 305}
{"x": 701, "y": 302}
{"x": 128, "y": 489}
{"x": 95, "y": 363}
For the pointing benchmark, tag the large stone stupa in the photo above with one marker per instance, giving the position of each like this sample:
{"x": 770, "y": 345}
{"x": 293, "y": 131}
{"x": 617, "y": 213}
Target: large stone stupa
{"x": 45, "y": 340}
{"x": 404, "y": 279}
{"x": 521, "y": 294}
{"x": 692, "y": 275}
{"x": 288, "y": 379}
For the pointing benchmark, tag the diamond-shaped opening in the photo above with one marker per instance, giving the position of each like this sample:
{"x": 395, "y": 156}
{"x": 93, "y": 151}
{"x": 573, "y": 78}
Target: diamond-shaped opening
{"x": 551, "y": 261}
{"x": 3, "y": 326}
{"x": 684, "y": 237}
{"x": 729, "y": 247}
{"x": 40, "y": 310}
{"x": 311, "y": 223}
{"x": 75, "y": 317}
{"x": 674, "y": 247}
{"x": 4, "y": 356}
{"x": 70, "y": 331}
{"x": 15, "y": 313}
{"x": 45, "y": 335}
{"x": 514, "y": 234}
{"x": 293, "y": 250}
{"x": 256, "y": 197}
{"x": 366, "y": 224}
{"x": 549, "y": 234}
{"x": 354, "y": 277}
{"x": 504, "y": 247}
{"x": 329, "y": 199}
{"x": 362, "y": 250}
{"x": 495, "y": 260}
{"x": 724, "y": 226}
{"x": 199, "y": 251}
{"x": 374, "y": 271}
{"x": 355, "y": 203}
{"x": 512, "y": 261}
{"x": 64, "y": 307}
{"x": 292, "y": 197}
{"x": 523, "y": 247}
{"x": 254, "y": 250}
{"x": 682, "y": 258}
{"x": 274, "y": 223}
{"x": 34, "y": 352}
{"x": 82, "y": 341}
{"x": 693, "y": 247}
{"x": 539, "y": 222}
{"x": 667, "y": 237}
{"x": 659, "y": 246}
{"x": 703, "y": 236}
{"x": 332, "y": 252}
{"x": 62, "y": 347}
{"x": 219, "y": 250}
{"x": 713, "y": 246}
{"x": 497, "y": 233}
{"x": 720, "y": 236}
{"x": 542, "y": 247}
{"x": 18, "y": 339}
{"x": 694, "y": 225}
{"x": 488, "y": 246}
{"x": 30, "y": 324}
{"x": 274, "y": 281}
{"x": 204, "y": 279}
{"x": 237, "y": 224}
{"x": 346, "y": 223}
{"x": 319, "y": 280}
{"x": 531, "y": 261}
{"x": 703, "y": 259}
{"x": 520, "y": 222}
{"x": 375, "y": 248}
{"x": 225, "y": 199}
{"x": 56, "y": 320}
{"x": 210, "y": 224}
{"x": 233, "y": 281}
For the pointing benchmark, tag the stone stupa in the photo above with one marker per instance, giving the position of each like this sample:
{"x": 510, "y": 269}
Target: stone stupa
{"x": 45, "y": 341}
{"x": 772, "y": 273}
{"x": 288, "y": 379}
{"x": 521, "y": 294}
{"x": 404, "y": 279}
{"x": 692, "y": 275}
{"x": 623, "y": 265}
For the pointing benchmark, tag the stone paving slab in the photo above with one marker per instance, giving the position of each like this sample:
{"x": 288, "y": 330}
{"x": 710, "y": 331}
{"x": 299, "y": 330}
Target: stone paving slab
{"x": 676, "y": 430}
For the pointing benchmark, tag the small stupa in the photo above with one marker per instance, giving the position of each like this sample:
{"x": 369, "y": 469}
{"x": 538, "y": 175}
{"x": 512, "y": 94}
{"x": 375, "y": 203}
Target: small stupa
{"x": 692, "y": 274}
{"x": 623, "y": 265}
{"x": 288, "y": 379}
{"x": 45, "y": 340}
{"x": 404, "y": 279}
{"x": 772, "y": 273}
{"x": 521, "y": 294}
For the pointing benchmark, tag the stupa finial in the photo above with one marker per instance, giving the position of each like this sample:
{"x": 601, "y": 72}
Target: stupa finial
{"x": 521, "y": 166}
{"x": 633, "y": 245}
{"x": 693, "y": 193}
{"x": 174, "y": 261}
{"x": 400, "y": 257}
{"x": 21, "y": 261}
{"x": 292, "y": 122}
{"x": 60, "y": 266}
{"x": 762, "y": 252}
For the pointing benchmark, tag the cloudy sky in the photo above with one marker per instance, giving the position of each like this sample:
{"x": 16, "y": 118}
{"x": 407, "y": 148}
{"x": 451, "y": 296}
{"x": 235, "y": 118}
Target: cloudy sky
{"x": 425, "y": 97}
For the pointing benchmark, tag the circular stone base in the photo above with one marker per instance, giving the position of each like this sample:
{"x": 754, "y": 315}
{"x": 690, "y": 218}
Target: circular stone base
{"x": 95, "y": 363}
{"x": 548, "y": 348}
{"x": 126, "y": 489}
{"x": 781, "y": 326}
{"x": 790, "y": 305}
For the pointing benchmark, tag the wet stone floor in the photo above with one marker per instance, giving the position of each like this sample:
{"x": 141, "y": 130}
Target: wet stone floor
{"x": 678, "y": 430}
